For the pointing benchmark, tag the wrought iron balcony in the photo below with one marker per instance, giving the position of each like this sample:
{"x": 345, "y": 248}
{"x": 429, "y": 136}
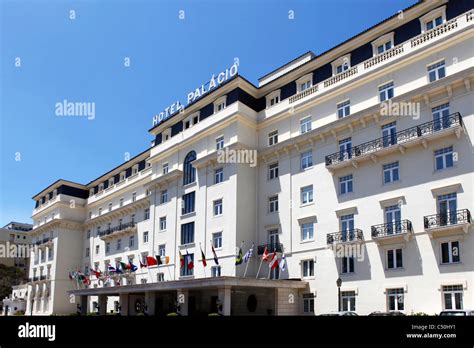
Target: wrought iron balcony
{"x": 42, "y": 277}
{"x": 391, "y": 229}
{"x": 398, "y": 138}
{"x": 448, "y": 219}
{"x": 35, "y": 279}
{"x": 120, "y": 227}
{"x": 348, "y": 236}
{"x": 278, "y": 247}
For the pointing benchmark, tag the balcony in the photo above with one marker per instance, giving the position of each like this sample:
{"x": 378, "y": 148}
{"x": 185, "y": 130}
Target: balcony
{"x": 42, "y": 277}
{"x": 35, "y": 279}
{"x": 118, "y": 230}
{"x": 303, "y": 94}
{"x": 401, "y": 140}
{"x": 278, "y": 247}
{"x": 440, "y": 225}
{"x": 393, "y": 232}
{"x": 345, "y": 237}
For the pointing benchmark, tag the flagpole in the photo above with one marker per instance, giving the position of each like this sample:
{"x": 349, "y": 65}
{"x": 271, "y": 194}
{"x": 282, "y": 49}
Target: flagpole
{"x": 259, "y": 267}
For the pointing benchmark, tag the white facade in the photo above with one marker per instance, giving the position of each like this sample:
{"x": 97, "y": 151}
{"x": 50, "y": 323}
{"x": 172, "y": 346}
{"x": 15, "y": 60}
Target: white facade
{"x": 402, "y": 169}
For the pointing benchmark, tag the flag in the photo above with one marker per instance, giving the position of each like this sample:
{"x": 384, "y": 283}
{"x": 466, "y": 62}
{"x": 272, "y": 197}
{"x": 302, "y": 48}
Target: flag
{"x": 181, "y": 260}
{"x": 111, "y": 269}
{"x": 239, "y": 257}
{"x": 132, "y": 267}
{"x": 216, "y": 260}
{"x": 118, "y": 268}
{"x": 96, "y": 273}
{"x": 190, "y": 261}
{"x": 151, "y": 261}
{"x": 274, "y": 261}
{"x": 167, "y": 259}
{"x": 265, "y": 255}
{"x": 158, "y": 259}
{"x": 124, "y": 266}
{"x": 283, "y": 262}
{"x": 203, "y": 258}
{"x": 142, "y": 264}
{"x": 248, "y": 254}
{"x": 86, "y": 280}
{"x": 70, "y": 276}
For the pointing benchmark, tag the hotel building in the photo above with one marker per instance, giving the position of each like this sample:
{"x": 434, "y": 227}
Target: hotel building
{"x": 365, "y": 148}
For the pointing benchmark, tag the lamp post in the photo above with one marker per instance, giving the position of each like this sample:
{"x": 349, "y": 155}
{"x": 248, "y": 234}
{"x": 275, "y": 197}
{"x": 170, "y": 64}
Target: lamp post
{"x": 339, "y": 283}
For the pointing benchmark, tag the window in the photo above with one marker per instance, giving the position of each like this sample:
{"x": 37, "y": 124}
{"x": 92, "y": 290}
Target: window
{"x": 447, "y": 206}
{"x": 132, "y": 218}
{"x": 122, "y": 176}
{"x": 165, "y": 168}
{"x": 386, "y": 92}
{"x": 347, "y": 264}
{"x": 273, "y": 204}
{"x": 272, "y": 171}
{"x": 389, "y": 134}
{"x": 345, "y": 149}
{"x": 384, "y": 47}
{"x": 188, "y": 203}
{"x": 390, "y": 172}
{"x": 145, "y": 237}
{"x": 163, "y": 223}
{"x": 452, "y": 296}
{"x": 307, "y": 194}
{"x": 101, "y": 187}
{"x": 450, "y": 252}
{"x": 396, "y": 299}
{"x": 187, "y": 270}
{"x": 110, "y": 206}
{"x": 444, "y": 158}
{"x": 308, "y": 303}
{"x": 348, "y": 300}
{"x": 433, "y": 23}
{"x": 436, "y": 71}
{"x": 164, "y": 196}
{"x": 187, "y": 233}
{"x": 218, "y": 175}
{"x": 220, "y": 143}
{"x": 97, "y": 249}
{"x": 215, "y": 271}
{"x": 441, "y": 117}
{"x": 147, "y": 192}
{"x": 306, "y": 160}
{"x": 347, "y": 227}
{"x": 218, "y": 207}
{"x": 394, "y": 258}
{"x": 88, "y": 234}
{"x": 88, "y": 250}
{"x": 111, "y": 182}
{"x": 162, "y": 250}
{"x": 307, "y": 268}
{"x": 100, "y": 212}
{"x": 91, "y": 192}
{"x": 121, "y": 202}
{"x": 273, "y": 138}
{"x": 341, "y": 68}
{"x": 344, "y": 109}
{"x": 90, "y": 215}
{"x": 220, "y": 104}
{"x": 166, "y": 134}
{"x": 107, "y": 247}
{"x": 131, "y": 241}
{"x": 345, "y": 184}
{"x": 134, "y": 196}
{"x": 135, "y": 169}
{"x": 146, "y": 214}
{"x": 217, "y": 240}
{"x": 304, "y": 85}
{"x": 304, "y": 82}
{"x": 307, "y": 232}
{"x": 305, "y": 125}
{"x": 189, "y": 172}
{"x": 119, "y": 244}
{"x": 98, "y": 231}
{"x": 393, "y": 218}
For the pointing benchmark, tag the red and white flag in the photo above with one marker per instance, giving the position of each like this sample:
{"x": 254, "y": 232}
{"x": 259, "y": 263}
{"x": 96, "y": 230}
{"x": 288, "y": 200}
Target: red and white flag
{"x": 274, "y": 261}
{"x": 265, "y": 255}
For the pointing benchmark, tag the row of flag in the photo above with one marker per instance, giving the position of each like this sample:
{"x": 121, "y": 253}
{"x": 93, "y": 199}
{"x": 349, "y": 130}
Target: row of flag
{"x": 272, "y": 258}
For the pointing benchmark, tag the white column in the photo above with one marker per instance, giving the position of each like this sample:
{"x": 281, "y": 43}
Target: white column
{"x": 224, "y": 295}
{"x": 150, "y": 302}
{"x": 183, "y": 296}
{"x": 124, "y": 300}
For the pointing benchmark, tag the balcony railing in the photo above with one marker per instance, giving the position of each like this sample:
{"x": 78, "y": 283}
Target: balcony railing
{"x": 440, "y": 29}
{"x": 383, "y": 56}
{"x": 391, "y": 229}
{"x": 35, "y": 279}
{"x": 117, "y": 228}
{"x": 303, "y": 94}
{"x": 400, "y": 137}
{"x": 458, "y": 217}
{"x": 355, "y": 235}
{"x": 42, "y": 277}
{"x": 278, "y": 247}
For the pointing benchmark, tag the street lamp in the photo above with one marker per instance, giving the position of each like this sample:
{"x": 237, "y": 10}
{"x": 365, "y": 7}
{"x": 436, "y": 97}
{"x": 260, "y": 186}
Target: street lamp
{"x": 339, "y": 283}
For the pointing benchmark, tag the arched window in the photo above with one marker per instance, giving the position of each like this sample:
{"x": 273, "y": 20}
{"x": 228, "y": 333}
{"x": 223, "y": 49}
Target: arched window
{"x": 189, "y": 172}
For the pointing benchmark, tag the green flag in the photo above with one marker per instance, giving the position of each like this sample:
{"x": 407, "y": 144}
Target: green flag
{"x": 239, "y": 258}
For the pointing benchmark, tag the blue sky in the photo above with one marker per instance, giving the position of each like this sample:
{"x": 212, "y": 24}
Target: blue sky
{"x": 82, "y": 60}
